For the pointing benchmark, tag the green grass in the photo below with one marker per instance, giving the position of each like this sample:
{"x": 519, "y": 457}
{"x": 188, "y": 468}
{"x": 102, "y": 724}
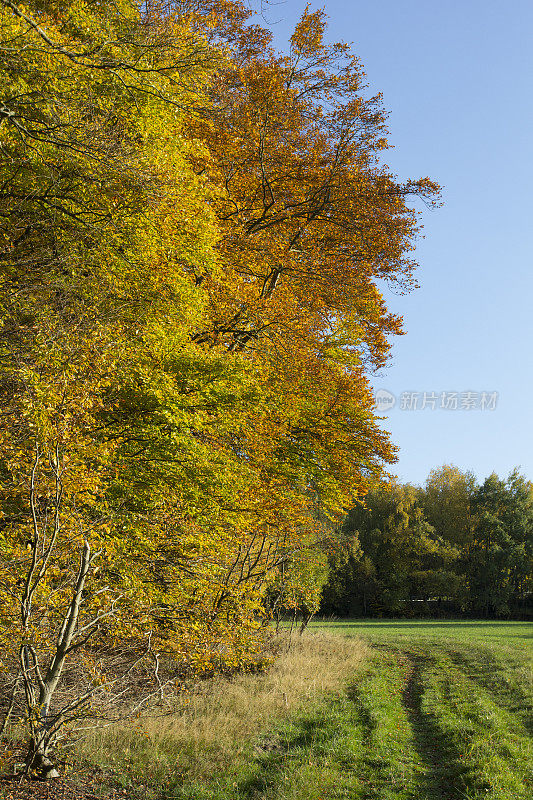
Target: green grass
{"x": 438, "y": 711}
{"x": 492, "y": 632}
{"x": 468, "y": 701}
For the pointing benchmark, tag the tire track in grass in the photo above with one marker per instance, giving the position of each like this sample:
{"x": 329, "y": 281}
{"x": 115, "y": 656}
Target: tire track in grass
{"x": 357, "y": 746}
{"x": 442, "y": 767}
{"x": 433, "y": 761}
{"x": 413, "y": 725}
{"x": 366, "y": 721}
{"x": 496, "y": 754}
{"x": 388, "y": 766}
{"x": 501, "y": 679}
{"x": 374, "y": 767}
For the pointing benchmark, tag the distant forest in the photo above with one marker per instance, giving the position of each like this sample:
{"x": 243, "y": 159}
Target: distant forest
{"x": 453, "y": 547}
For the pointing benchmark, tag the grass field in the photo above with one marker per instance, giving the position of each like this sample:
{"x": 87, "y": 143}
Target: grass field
{"x": 445, "y": 710}
{"x": 387, "y": 710}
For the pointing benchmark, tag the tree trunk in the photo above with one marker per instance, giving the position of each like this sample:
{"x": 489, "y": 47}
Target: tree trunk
{"x": 38, "y": 759}
{"x": 306, "y": 619}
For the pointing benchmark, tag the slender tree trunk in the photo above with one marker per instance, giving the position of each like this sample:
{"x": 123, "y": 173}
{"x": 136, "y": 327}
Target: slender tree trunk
{"x": 40, "y": 686}
{"x": 11, "y": 705}
{"x": 307, "y": 616}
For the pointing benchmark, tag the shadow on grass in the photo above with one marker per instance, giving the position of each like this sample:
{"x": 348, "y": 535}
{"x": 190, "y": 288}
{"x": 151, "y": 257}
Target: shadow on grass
{"x": 487, "y": 673}
{"x": 273, "y": 764}
{"x": 364, "y": 716}
{"x": 445, "y": 777}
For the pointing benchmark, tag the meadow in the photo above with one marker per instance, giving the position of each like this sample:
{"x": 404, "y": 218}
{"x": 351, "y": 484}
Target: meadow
{"x": 367, "y": 710}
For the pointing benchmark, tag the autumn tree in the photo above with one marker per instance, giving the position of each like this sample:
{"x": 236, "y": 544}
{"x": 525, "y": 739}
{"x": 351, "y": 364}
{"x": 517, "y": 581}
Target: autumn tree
{"x": 310, "y": 220}
{"x": 465, "y": 547}
{"x": 192, "y": 231}
{"x": 294, "y": 588}
{"x": 489, "y": 524}
{"x": 103, "y": 222}
{"x": 446, "y": 498}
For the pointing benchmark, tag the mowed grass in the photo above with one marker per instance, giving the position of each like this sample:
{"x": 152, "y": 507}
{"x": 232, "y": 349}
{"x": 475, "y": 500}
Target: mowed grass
{"x": 368, "y": 710}
{"x": 464, "y": 705}
{"x": 517, "y": 634}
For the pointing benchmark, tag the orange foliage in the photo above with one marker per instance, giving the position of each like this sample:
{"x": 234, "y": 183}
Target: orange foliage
{"x": 310, "y": 222}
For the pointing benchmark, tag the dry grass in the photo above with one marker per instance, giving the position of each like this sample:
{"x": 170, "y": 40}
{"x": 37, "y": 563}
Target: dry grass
{"x": 213, "y": 724}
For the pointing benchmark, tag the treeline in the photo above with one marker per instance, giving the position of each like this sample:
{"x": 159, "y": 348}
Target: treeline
{"x": 450, "y": 547}
{"x": 192, "y": 227}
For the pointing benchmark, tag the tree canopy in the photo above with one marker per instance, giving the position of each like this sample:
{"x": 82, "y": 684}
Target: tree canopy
{"x": 452, "y": 546}
{"x": 192, "y": 231}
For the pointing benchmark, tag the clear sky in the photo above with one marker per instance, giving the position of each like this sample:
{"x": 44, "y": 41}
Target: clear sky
{"x": 456, "y": 77}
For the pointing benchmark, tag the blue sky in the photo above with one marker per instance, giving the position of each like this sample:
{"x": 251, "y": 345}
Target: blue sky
{"x": 456, "y": 77}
